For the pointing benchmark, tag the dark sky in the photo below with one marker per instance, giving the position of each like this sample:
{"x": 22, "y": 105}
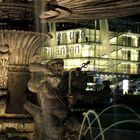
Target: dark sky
{"x": 134, "y": 17}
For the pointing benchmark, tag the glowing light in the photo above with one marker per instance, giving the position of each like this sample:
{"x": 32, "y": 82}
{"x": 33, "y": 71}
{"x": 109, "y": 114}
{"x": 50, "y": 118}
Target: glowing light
{"x": 125, "y": 86}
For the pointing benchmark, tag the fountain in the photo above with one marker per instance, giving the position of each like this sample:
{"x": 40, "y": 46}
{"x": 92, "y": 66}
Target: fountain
{"x": 18, "y": 60}
{"x": 18, "y": 45}
{"x": 97, "y": 117}
{"x": 17, "y": 50}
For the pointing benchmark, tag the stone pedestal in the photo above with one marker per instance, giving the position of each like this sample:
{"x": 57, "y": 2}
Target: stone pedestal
{"x": 16, "y": 127}
{"x": 17, "y": 87}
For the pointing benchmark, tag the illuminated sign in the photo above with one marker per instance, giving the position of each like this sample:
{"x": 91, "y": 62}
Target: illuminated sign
{"x": 68, "y": 50}
{"x": 72, "y": 36}
{"x": 62, "y": 51}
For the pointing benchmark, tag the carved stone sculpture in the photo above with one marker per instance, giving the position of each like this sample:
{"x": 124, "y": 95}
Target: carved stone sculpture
{"x": 49, "y": 116}
{"x": 4, "y": 64}
{"x": 56, "y": 92}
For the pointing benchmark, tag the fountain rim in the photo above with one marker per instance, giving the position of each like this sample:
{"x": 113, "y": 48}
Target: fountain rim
{"x": 47, "y": 35}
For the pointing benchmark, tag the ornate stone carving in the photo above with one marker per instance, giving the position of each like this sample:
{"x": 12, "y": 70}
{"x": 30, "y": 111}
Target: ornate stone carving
{"x": 22, "y": 47}
{"x": 4, "y": 63}
{"x": 35, "y": 59}
{"x": 75, "y": 10}
{"x": 16, "y": 14}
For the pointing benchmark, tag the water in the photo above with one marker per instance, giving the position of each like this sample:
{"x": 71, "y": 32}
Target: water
{"x": 86, "y": 116}
{"x": 97, "y": 118}
{"x": 116, "y": 123}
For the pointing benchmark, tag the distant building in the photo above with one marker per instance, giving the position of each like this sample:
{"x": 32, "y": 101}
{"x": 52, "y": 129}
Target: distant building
{"x": 108, "y": 51}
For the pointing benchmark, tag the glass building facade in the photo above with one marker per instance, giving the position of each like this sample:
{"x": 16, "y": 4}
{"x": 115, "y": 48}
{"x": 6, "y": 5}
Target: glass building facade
{"x": 108, "y": 51}
{"x": 111, "y": 46}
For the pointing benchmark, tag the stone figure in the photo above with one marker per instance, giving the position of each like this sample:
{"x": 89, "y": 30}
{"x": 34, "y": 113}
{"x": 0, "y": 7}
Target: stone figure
{"x": 50, "y": 114}
{"x": 51, "y": 84}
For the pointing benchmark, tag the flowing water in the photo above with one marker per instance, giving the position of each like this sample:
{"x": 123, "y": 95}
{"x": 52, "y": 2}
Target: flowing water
{"x": 97, "y": 118}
